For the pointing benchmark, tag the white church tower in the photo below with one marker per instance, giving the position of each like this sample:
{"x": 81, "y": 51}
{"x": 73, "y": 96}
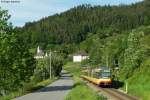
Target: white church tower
{"x": 39, "y": 54}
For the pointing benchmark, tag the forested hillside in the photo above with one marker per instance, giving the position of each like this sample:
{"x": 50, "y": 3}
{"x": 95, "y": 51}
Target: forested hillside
{"x": 73, "y": 25}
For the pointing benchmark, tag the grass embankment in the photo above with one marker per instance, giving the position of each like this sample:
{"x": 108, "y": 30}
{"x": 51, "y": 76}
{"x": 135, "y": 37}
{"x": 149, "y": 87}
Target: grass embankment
{"x": 28, "y": 87}
{"x": 80, "y": 90}
{"x": 139, "y": 83}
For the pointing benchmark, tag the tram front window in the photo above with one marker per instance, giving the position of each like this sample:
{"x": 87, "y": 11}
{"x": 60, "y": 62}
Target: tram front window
{"x": 105, "y": 75}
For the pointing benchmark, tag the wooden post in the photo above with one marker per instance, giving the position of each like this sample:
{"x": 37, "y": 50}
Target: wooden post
{"x": 126, "y": 87}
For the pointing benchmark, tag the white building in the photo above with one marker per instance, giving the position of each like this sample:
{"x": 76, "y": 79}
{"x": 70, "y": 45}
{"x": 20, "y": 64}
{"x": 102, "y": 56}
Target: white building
{"x": 80, "y": 57}
{"x": 39, "y": 54}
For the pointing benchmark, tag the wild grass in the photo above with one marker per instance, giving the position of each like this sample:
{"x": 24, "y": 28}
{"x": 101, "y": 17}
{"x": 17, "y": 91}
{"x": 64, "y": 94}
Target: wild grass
{"x": 82, "y": 92}
{"x": 139, "y": 83}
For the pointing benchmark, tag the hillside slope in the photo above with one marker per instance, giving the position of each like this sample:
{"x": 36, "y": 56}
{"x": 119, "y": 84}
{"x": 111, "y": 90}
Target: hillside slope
{"x": 73, "y": 25}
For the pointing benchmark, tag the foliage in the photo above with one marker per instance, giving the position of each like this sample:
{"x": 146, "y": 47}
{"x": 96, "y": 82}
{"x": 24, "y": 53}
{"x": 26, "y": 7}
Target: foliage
{"x": 140, "y": 81}
{"x": 42, "y": 70}
{"x": 74, "y": 25}
{"x": 57, "y": 63}
{"x": 134, "y": 53}
{"x": 16, "y": 62}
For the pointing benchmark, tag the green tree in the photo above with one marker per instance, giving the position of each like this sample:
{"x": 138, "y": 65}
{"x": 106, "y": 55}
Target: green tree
{"x": 134, "y": 53}
{"x": 16, "y": 62}
{"x": 57, "y": 63}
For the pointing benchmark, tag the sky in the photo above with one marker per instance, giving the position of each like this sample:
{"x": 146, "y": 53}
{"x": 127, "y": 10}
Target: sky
{"x": 24, "y": 11}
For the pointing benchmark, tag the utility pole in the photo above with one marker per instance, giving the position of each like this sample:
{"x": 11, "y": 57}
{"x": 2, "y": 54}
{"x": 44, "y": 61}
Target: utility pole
{"x": 50, "y": 65}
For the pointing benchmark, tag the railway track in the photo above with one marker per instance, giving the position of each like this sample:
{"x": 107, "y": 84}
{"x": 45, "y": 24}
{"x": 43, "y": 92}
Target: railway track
{"x": 111, "y": 93}
{"x": 117, "y": 95}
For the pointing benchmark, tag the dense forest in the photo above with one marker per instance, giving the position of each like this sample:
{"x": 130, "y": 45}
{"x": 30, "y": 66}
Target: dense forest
{"x": 73, "y": 25}
{"x": 114, "y": 36}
